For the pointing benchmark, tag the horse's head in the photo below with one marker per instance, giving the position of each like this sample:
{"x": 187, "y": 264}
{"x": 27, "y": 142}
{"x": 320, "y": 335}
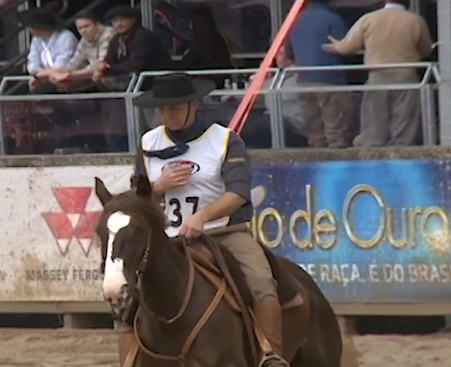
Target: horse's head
{"x": 125, "y": 229}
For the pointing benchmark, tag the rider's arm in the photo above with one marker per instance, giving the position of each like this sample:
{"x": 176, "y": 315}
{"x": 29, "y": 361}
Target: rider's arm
{"x": 236, "y": 173}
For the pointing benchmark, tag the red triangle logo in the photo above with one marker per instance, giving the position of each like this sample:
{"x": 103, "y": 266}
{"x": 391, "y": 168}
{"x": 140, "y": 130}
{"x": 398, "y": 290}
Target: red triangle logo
{"x": 86, "y": 225}
{"x": 59, "y": 224}
{"x": 61, "y": 228}
{"x": 72, "y": 200}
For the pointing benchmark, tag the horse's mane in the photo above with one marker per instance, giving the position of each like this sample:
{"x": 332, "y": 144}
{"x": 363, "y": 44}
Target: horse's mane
{"x": 131, "y": 204}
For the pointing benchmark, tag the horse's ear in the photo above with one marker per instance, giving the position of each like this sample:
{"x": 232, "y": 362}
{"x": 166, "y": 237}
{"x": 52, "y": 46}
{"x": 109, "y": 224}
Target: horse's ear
{"x": 143, "y": 186}
{"x": 101, "y": 191}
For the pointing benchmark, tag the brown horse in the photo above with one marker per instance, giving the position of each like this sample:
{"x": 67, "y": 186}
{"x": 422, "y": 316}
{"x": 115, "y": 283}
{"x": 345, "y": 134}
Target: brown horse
{"x": 186, "y": 313}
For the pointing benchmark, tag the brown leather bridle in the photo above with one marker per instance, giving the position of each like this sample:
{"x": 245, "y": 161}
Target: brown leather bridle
{"x": 140, "y": 289}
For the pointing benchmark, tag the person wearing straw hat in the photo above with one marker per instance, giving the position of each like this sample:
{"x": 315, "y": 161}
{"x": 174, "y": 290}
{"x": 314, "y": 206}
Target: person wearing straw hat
{"x": 205, "y": 175}
{"x": 52, "y": 46}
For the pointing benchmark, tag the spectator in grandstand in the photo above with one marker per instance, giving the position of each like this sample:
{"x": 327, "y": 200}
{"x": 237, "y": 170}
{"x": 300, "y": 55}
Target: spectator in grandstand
{"x": 327, "y": 121}
{"x": 52, "y": 46}
{"x": 209, "y": 49}
{"x": 92, "y": 49}
{"x": 132, "y": 50}
{"x": 389, "y": 35}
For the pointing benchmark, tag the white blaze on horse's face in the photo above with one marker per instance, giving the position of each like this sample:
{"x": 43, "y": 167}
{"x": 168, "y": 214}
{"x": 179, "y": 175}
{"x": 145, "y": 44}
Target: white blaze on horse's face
{"x": 114, "y": 278}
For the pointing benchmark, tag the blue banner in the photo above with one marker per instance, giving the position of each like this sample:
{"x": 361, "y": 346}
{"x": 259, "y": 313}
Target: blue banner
{"x": 366, "y": 231}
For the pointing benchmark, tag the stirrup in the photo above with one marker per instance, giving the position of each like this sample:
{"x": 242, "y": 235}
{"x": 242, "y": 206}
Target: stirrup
{"x": 273, "y": 357}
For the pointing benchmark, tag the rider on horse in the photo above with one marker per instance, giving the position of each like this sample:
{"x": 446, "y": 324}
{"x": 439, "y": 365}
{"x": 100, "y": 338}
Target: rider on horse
{"x": 205, "y": 175}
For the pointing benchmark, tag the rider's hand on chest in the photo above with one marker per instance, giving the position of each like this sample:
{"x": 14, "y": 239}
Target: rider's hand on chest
{"x": 174, "y": 176}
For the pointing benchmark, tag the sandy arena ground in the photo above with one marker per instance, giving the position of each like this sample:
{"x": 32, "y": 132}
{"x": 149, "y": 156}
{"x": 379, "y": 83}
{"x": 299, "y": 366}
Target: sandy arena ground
{"x": 97, "y": 348}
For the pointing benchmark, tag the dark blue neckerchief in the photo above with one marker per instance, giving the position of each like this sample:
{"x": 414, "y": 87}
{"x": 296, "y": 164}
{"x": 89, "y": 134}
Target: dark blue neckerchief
{"x": 180, "y": 139}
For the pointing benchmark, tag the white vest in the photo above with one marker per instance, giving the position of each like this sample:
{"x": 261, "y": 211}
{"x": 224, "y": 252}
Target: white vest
{"x": 206, "y": 155}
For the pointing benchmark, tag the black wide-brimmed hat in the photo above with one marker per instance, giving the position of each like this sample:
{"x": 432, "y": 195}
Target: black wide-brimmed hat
{"x": 173, "y": 89}
{"x": 41, "y": 18}
{"x": 121, "y": 11}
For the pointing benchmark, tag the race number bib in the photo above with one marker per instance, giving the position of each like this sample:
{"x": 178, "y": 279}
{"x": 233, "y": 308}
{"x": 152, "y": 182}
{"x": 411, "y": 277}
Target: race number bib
{"x": 180, "y": 209}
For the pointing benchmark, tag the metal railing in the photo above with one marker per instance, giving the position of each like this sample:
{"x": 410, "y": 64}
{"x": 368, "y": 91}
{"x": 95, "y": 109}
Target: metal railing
{"x": 426, "y": 90}
{"x": 218, "y": 92}
{"x": 275, "y": 89}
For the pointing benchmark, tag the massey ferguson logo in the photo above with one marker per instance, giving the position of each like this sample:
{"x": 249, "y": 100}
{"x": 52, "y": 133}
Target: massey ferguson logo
{"x": 194, "y": 166}
{"x": 73, "y": 223}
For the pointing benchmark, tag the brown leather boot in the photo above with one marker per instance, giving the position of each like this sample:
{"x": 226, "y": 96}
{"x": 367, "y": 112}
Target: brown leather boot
{"x": 269, "y": 317}
{"x": 126, "y": 342}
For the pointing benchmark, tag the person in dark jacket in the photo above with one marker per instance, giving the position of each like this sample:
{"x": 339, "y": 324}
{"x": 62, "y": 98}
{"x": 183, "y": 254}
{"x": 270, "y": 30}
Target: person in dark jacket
{"x": 208, "y": 49}
{"x": 134, "y": 49}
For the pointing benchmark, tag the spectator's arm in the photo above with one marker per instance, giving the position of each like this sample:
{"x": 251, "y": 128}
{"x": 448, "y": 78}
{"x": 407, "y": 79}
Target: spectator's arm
{"x": 140, "y": 50}
{"x": 354, "y": 40}
{"x": 34, "y": 58}
{"x": 79, "y": 60}
{"x": 425, "y": 41}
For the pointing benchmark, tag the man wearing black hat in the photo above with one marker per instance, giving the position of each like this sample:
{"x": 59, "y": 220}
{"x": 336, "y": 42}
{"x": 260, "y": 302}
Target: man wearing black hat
{"x": 134, "y": 49}
{"x": 205, "y": 175}
{"x": 52, "y": 46}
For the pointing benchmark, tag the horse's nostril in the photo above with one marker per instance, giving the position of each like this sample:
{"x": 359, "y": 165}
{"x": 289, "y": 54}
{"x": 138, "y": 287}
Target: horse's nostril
{"x": 109, "y": 300}
{"x": 120, "y": 300}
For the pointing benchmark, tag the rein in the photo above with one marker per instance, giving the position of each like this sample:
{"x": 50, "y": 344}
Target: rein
{"x": 189, "y": 287}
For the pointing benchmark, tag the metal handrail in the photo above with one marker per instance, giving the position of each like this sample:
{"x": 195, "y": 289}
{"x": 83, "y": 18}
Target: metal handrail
{"x": 234, "y": 56}
{"x": 411, "y": 65}
{"x": 399, "y": 65}
{"x": 147, "y": 74}
{"x": 46, "y": 97}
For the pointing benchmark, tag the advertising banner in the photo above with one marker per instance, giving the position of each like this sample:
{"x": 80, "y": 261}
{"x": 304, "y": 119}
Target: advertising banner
{"x": 48, "y": 247}
{"x": 367, "y": 231}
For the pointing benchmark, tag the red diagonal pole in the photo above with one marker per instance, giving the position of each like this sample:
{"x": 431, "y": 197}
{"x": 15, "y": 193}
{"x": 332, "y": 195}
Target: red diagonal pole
{"x": 240, "y": 116}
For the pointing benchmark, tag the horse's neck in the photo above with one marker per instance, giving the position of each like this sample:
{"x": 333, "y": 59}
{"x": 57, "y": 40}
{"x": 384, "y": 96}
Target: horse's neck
{"x": 166, "y": 279}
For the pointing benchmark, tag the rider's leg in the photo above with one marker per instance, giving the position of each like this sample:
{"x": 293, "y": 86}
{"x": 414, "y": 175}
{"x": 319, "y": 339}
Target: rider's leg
{"x": 126, "y": 339}
{"x": 258, "y": 273}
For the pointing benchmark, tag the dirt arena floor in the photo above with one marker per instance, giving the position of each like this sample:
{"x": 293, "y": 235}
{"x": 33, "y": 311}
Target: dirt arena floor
{"x": 97, "y": 348}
